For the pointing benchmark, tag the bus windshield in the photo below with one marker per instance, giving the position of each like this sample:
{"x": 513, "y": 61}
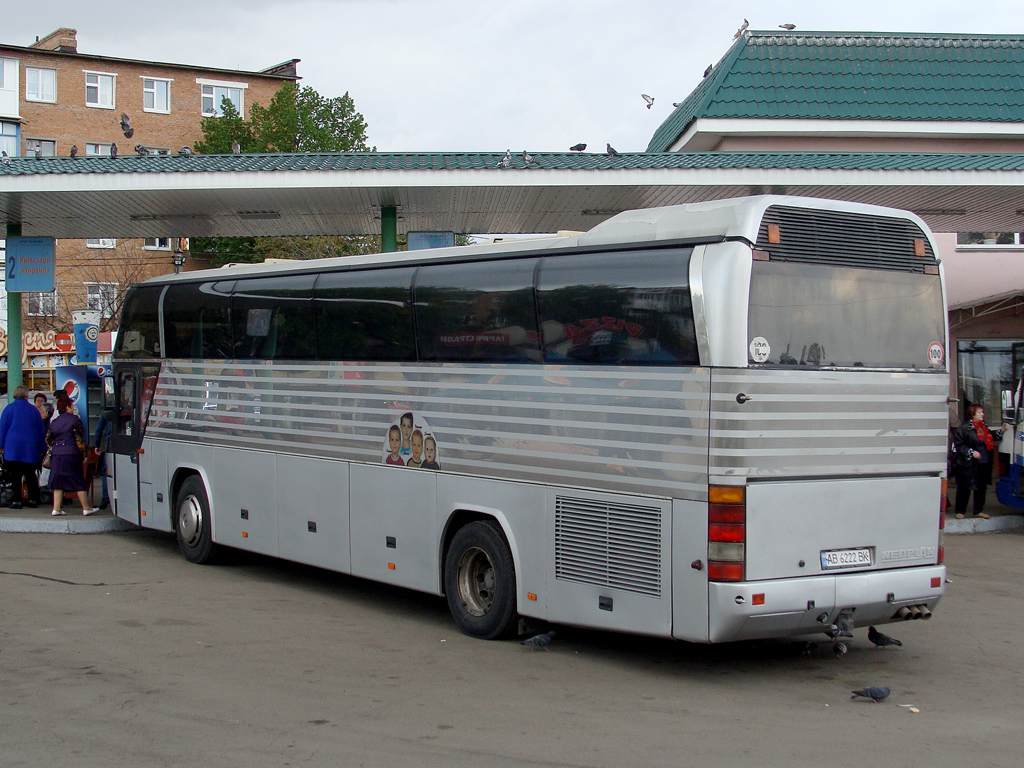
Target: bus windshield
{"x": 834, "y": 316}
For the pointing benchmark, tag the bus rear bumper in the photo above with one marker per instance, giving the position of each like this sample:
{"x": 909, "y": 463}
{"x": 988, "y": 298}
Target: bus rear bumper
{"x": 784, "y": 607}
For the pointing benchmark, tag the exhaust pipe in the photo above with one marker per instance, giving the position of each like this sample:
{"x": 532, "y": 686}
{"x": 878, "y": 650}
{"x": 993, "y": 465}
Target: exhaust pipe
{"x": 925, "y": 613}
{"x": 915, "y": 612}
{"x": 903, "y": 613}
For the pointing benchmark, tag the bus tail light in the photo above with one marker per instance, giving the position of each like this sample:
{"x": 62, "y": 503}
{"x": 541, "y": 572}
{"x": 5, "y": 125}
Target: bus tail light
{"x": 727, "y": 532}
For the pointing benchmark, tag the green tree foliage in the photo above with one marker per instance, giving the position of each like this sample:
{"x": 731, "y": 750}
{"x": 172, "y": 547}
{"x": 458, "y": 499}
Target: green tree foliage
{"x": 295, "y": 120}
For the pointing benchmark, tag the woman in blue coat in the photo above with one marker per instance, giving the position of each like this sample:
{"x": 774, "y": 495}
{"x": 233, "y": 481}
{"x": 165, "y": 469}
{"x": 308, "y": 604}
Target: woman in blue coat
{"x": 22, "y": 443}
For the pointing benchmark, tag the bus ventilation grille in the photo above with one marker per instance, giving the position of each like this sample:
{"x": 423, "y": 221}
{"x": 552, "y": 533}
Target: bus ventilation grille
{"x": 608, "y": 544}
{"x": 846, "y": 239}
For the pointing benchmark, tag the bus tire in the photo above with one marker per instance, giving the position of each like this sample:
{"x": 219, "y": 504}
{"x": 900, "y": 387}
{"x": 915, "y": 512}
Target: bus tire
{"x": 480, "y": 580}
{"x": 192, "y": 522}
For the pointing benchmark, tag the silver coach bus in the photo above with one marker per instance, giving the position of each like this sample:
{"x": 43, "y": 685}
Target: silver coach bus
{"x": 711, "y": 422}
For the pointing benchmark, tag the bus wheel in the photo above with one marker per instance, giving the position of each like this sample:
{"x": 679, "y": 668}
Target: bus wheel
{"x": 192, "y": 522}
{"x": 480, "y": 580}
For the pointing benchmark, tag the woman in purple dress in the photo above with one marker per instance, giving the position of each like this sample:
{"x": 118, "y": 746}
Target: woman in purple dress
{"x": 66, "y": 438}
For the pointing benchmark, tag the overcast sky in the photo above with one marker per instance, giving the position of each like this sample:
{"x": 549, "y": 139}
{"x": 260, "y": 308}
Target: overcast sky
{"x": 482, "y": 75}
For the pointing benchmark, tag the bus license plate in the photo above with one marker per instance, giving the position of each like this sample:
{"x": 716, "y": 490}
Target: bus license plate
{"x": 845, "y": 558}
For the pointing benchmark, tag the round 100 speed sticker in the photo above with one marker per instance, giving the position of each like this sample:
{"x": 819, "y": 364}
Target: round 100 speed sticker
{"x": 936, "y": 354}
{"x": 760, "y": 349}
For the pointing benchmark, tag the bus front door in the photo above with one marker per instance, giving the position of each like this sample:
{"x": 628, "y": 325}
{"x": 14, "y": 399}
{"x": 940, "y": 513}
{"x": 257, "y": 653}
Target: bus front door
{"x": 126, "y": 445}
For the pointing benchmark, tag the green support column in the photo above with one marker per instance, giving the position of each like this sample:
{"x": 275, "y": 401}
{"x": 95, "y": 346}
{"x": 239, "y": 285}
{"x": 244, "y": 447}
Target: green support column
{"x": 14, "y": 352}
{"x": 388, "y": 229}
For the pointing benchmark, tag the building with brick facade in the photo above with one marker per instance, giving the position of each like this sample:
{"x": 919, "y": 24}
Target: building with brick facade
{"x": 55, "y": 100}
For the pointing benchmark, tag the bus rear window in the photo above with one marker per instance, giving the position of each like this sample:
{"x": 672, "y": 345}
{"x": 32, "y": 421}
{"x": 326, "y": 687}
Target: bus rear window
{"x": 845, "y": 317}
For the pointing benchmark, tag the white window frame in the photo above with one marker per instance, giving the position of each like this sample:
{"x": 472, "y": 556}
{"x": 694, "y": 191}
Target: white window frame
{"x": 96, "y": 149}
{"x": 98, "y": 104}
{"x": 51, "y": 144}
{"x": 1016, "y": 245}
{"x": 40, "y": 93}
{"x": 214, "y": 85}
{"x": 152, "y": 90}
{"x": 154, "y": 244}
{"x": 41, "y": 304}
{"x": 103, "y": 242}
{"x": 101, "y": 297}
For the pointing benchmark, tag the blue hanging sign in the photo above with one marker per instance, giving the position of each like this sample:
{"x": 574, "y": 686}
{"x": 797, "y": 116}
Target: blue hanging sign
{"x": 29, "y": 264}
{"x": 419, "y": 240}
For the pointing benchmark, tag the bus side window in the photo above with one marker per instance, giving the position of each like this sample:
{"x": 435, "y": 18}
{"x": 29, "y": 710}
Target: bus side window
{"x": 126, "y": 407}
{"x": 197, "y": 320}
{"x": 607, "y": 309}
{"x": 365, "y": 316}
{"x": 273, "y": 318}
{"x": 139, "y": 335}
{"x": 481, "y": 312}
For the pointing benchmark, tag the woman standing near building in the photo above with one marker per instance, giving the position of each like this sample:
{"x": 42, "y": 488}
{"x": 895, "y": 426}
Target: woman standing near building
{"x": 68, "y": 455}
{"x": 973, "y": 449}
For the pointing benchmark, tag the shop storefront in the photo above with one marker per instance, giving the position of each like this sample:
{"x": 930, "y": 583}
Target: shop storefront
{"x": 44, "y": 352}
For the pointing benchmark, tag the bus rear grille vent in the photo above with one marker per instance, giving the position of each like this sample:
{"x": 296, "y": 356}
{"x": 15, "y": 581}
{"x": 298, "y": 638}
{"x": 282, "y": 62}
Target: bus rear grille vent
{"x": 608, "y": 544}
{"x": 839, "y": 238}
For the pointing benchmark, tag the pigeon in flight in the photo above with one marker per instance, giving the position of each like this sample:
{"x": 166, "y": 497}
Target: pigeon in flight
{"x": 880, "y": 639}
{"x": 141, "y": 150}
{"x": 126, "y": 122}
{"x": 527, "y": 159}
{"x": 741, "y": 30}
{"x": 708, "y": 70}
{"x": 873, "y": 692}
{"x": 539, "y": 641}
{"x": 236, "y": 148}
{"x": 6, "y": 157}
{"x": 74, "y": 150}
{"x": 184, "y": 152}
{"x": 506, "y": 161}
{"x": 610, "y": 150}
{"x": 578, "y": 147}
{"x": 113, "y": 150}
{"x": 648, "y": 99}
{"x": 790, "y": 27}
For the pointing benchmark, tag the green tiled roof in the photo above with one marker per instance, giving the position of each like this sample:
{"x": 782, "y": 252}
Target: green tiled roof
{"x": 487, "y": 162}
{"x": 859, "y": 76}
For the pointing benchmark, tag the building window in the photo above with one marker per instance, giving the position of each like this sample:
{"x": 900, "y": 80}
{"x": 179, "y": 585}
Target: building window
{"x": 214, "y": 94}
{"x": 48, "y": 147}
{"x": 990, "y": 239}
{"x": 100, "y": 150}
{"x": 156, "y": 95}
{"x": 41, "y": 304}
{"x": 101, "y": 243}
{"x": 9, "y": 138}
{"x": 157, "y": 244}
{"x": 40, "y": 84}
{"x": 99, "y": 90}
{"x": 102, "y": 297}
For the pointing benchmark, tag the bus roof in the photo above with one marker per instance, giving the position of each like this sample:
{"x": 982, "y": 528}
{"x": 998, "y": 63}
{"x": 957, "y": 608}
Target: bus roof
{"x": 731, "y": 219}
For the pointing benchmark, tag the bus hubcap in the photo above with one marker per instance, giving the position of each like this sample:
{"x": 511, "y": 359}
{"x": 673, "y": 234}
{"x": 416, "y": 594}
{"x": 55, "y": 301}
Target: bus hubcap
{"x": 190, "y": 521}
{"x": 476, "y": 581}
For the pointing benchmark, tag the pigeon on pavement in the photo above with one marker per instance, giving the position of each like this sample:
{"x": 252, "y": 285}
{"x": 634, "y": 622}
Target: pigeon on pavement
{"x": 840, "y": 650}
{"x": 880, "y": 639}
{"x": 539, "y": 641}
{"x": 873, "y": 692}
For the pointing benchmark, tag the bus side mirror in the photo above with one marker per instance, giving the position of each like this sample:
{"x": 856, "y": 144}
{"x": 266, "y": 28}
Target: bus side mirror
{"x": 109, "y": 398}
{"x": 1009, "y": 412}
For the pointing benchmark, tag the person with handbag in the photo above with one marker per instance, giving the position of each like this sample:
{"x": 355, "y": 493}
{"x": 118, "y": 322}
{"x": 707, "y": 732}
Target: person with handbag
{"x": 973, "y": 452}
{"x": 66, "y": 438}
{"x": 22, "y": 443}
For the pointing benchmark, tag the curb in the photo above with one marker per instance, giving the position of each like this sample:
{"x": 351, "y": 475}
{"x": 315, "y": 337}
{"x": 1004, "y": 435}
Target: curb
{"x": 977, "y": 525}
{"x": 69, "y": 524}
